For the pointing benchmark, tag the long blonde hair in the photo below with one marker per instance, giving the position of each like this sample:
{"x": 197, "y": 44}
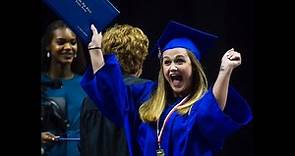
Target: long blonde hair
{"x": 152, "y": 109}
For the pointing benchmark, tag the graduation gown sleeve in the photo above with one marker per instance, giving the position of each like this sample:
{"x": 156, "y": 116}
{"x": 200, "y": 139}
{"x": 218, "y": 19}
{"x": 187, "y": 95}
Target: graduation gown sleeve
{"x": 106, "y": 90}
{"x": 215, "y": 124}
{"x": 115, "y": 99}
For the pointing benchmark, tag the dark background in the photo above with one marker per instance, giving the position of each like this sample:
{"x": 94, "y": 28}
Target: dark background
{"x": 264, "y": 80}
{"x": 231, "y": 20}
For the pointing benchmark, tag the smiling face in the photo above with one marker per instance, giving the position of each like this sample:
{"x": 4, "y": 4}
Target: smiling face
{"x": 177, "y": 69}
{"x": 63, "y": 46}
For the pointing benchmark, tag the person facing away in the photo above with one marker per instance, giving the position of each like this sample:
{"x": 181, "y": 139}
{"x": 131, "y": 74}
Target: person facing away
{"x": 179, "y": 115}
{"x": 99, "y": 135}
{"x": 62, "y": 60}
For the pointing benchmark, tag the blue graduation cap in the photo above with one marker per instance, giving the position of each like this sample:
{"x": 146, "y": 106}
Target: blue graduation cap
{"x": 177, "y": 35}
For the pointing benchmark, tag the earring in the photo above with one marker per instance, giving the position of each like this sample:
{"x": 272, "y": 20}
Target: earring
{"x": 75, "y": 55}
{"x": 48, "y": 54}
{"x": 159, "y": 53}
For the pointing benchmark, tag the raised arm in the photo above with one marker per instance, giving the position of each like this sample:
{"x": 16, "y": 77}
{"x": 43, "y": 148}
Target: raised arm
{"x": 94, "y": 47}
{"x": 230, "y": 60}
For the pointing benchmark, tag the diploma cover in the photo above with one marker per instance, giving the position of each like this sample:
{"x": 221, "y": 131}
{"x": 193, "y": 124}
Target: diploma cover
{"x": 80, "y": 14}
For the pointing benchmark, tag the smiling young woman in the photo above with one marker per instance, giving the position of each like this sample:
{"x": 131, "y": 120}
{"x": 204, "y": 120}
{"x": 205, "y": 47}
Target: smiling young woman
{"x": 178, "y": 115}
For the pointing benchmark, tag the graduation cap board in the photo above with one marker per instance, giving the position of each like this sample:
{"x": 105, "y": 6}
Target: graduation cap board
{"x": 177, "y": 35}
{"x": 80, "y": 14}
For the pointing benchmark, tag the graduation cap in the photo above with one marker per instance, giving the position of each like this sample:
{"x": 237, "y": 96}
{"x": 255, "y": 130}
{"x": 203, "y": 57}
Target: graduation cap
{"x": 177, "y": 35}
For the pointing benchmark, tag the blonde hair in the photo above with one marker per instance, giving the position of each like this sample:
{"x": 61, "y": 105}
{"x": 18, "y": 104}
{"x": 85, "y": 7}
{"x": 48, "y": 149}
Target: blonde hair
{"x": 129, "y": 44}
{"x": 151, "y": 110}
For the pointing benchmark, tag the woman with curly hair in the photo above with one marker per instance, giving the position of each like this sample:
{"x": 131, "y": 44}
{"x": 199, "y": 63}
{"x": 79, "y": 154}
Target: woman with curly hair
{"x": 99, "y": 135}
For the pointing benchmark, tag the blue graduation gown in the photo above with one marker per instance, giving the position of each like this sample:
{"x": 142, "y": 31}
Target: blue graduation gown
{"x": 198, "y": 133}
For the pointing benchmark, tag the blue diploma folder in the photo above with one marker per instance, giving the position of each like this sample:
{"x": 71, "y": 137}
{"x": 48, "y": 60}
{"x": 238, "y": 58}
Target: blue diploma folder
{"x": 80, "y": 14}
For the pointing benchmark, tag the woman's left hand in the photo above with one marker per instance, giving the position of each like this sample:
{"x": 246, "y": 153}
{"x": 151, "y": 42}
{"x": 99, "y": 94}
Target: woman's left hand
{"x": 96, "y": 38}
{"x": 230, "y": 60}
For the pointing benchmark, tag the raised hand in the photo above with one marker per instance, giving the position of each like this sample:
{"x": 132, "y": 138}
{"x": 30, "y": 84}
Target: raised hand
{"x": 96, "y": 38}
{"x": 94, "y": 48}
{"x": 230, "y": 60}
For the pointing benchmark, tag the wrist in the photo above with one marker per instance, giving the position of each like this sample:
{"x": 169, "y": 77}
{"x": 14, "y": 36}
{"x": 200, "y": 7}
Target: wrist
{"x": 92, "y": 48}
{"x": 225, "y": 69}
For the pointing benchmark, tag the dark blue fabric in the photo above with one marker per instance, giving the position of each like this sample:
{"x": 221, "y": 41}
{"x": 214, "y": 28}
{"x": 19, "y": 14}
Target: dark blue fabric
{"x": 99, "y": 136}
